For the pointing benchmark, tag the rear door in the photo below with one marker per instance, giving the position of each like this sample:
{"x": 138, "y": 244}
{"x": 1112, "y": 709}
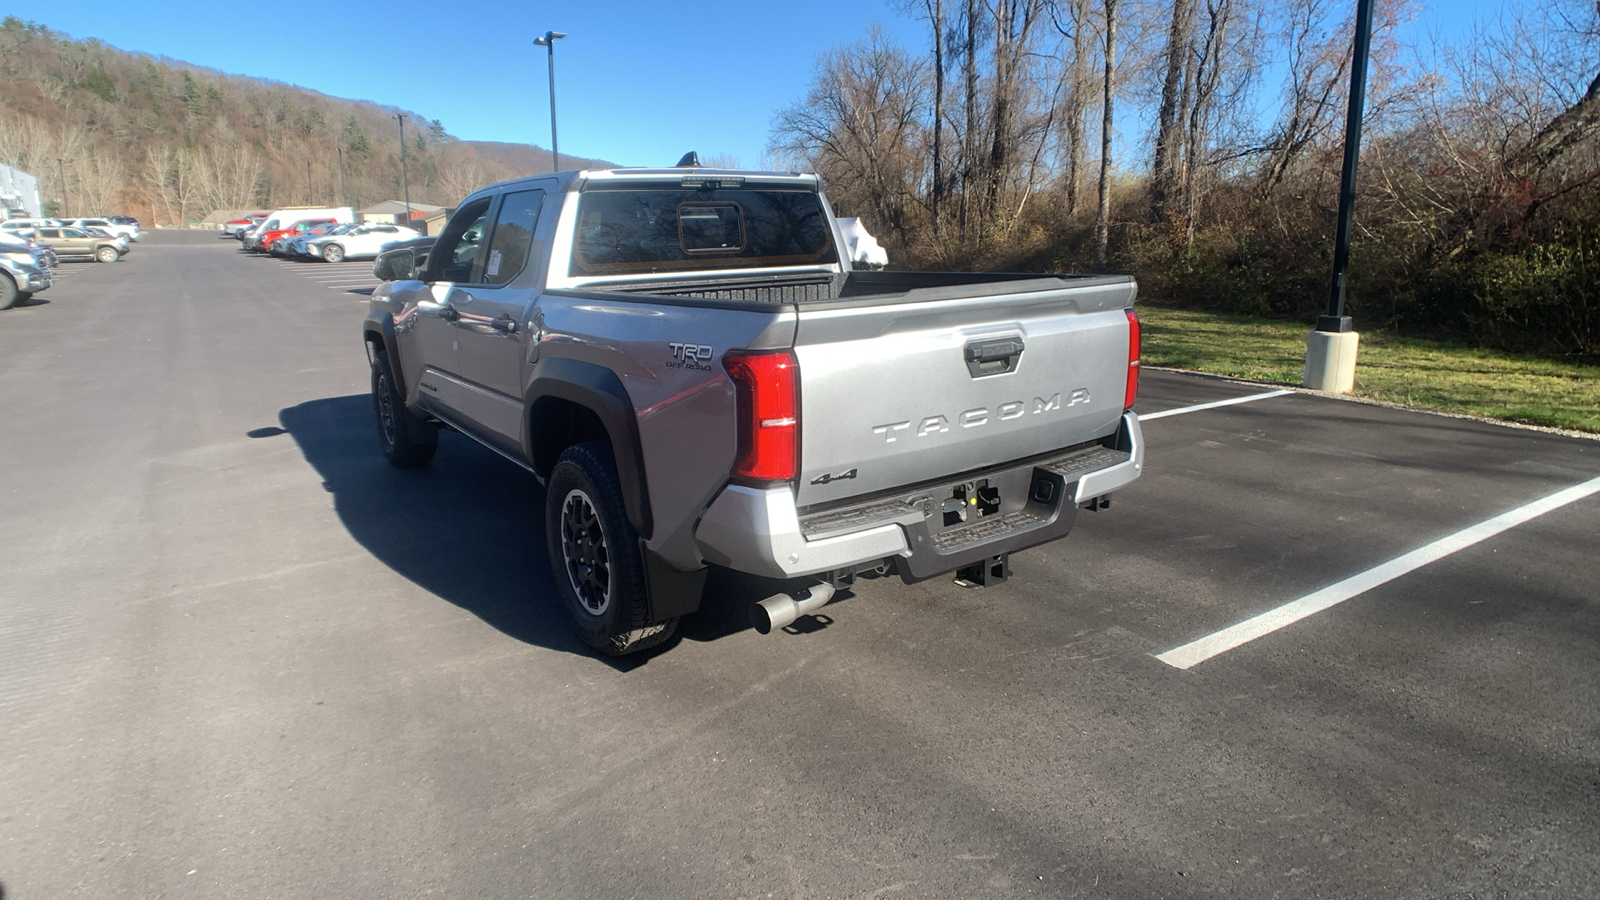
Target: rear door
{"x": 897, "y": 392}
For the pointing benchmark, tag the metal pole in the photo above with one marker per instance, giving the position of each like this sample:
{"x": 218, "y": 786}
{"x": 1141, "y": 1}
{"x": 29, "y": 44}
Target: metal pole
{"x": 548, "y": 41}
{"x": 308, "y": 182}
{"x": 1336, "y": 320}
{"x": 405, "y": 182}
{"x": 342, "y": 194}
{"x": 61, "y": 168}
{"x": 555, "y": 142}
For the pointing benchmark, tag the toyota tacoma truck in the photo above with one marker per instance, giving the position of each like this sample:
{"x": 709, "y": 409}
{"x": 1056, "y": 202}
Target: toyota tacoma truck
{"x": 691, "y": 367}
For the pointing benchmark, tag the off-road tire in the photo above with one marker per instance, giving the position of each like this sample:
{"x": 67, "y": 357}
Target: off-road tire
{"x": 406, "y": 439}
{"x": 594, "y": 554}
{"x": 9, "y": 295}
{"x": 107, "y": 254}
{"x": 333, "y": 253}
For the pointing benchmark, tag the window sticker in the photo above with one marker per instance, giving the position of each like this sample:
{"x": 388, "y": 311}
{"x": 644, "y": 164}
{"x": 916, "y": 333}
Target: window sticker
{"x": 494, "y": 263}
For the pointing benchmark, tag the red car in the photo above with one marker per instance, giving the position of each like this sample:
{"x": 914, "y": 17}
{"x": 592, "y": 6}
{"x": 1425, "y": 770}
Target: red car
{"x": 262, "y": 242}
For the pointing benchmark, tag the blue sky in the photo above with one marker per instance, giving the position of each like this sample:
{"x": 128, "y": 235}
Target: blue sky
{"x": 637, "y": 83}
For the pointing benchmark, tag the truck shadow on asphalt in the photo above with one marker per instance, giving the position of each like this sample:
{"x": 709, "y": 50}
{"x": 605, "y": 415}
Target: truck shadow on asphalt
{"x": 469, "y": 528}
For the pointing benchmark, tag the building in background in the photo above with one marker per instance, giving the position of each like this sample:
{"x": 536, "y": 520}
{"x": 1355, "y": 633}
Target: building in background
{"x": 393, "y": 212}
{"x": 19, "y": 193}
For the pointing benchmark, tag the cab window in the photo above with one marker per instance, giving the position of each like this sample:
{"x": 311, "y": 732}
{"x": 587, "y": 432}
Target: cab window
{"x": 454, "y": 257}
{"x": 513, "y": 236}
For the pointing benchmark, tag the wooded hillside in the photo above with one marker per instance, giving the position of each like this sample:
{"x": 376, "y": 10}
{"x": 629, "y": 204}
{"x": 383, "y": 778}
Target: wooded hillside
{"x": 112, "y": 132}
{"x": 1198, "y": 144}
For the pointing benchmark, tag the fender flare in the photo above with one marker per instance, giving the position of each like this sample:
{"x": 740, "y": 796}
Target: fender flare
{"x": 599, "y": 390}
{"x": 380, "y": 330}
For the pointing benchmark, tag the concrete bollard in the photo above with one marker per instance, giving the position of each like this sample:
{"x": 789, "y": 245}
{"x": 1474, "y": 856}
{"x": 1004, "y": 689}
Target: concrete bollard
{"x": 1331, "y": 361}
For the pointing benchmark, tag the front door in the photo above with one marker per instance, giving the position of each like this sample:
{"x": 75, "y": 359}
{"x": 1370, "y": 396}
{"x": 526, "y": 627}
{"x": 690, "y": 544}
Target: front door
{"x": 432, "y": 313}
{"x": 493, "y": 324}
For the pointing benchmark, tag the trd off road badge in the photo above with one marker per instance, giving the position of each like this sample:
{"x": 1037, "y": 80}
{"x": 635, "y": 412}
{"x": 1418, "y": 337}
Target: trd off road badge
{"x": 695, "y": 357}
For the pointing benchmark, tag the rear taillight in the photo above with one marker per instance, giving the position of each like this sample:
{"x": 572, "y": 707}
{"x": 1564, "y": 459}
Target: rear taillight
{"x": 1132, "y": 393}
{"x": 769, "y": 414}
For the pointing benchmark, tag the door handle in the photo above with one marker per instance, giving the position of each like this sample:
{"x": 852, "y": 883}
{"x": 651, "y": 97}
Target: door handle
{"x": 504, "y": 323}
{"x": 443, "y": 310}
{"x": 993, "y": 357}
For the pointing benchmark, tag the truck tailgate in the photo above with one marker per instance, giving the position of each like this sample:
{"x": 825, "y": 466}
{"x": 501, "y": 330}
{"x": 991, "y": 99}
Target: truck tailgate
{"x": 924, "y": 386}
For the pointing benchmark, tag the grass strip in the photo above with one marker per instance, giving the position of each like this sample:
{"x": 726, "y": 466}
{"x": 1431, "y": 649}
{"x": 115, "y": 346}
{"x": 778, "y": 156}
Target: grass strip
{"x": 1413, "y": 372}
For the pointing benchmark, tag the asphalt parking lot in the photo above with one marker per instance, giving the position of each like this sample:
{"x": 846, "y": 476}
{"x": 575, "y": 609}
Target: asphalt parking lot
{"x": 240, "y": 656}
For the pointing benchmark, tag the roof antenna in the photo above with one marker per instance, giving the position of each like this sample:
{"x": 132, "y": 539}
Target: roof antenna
{"x": 690, "y": 160}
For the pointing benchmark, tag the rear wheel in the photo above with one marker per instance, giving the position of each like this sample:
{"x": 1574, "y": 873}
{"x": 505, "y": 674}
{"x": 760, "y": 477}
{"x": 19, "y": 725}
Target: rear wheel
{"x": 107, "y": 254}
{"x": 594, "y": 554}
{"x": 333, "y": 253}
{"x": 407, "y": 440}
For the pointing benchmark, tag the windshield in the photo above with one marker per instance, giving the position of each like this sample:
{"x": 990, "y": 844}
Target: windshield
{"x": 626, "y": 231}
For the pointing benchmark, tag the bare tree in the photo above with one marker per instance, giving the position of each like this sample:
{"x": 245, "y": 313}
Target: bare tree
{"x": 933, "y": 12}
{"x": 1177, "y": 91}
{"x": 1013, "y": 29}
{"x": 861, "y": 126}
{"x": 1102, "y": 222}
{"x": 1071, "y": 20}
{"x": 1318, "y": 58}
{"x": 968, "y": 170}
{"x": 459, "y": 178}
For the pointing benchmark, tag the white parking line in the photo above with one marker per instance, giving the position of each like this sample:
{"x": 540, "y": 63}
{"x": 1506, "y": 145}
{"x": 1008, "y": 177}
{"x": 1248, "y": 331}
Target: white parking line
{"x": 1196, "y": 652}
{"x": 1145, "y": 417}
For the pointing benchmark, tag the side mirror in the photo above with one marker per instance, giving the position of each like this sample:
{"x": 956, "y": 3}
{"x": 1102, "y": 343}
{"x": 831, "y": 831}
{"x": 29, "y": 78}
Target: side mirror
{"x": 395, "y": 265}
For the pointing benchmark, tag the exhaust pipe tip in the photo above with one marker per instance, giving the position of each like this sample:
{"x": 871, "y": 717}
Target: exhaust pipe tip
{"x": 780, "y": 610}
{"x": 772, "y": 614}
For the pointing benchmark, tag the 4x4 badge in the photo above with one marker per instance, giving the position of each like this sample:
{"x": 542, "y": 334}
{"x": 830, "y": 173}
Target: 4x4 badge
{"x": 825, "y": 478}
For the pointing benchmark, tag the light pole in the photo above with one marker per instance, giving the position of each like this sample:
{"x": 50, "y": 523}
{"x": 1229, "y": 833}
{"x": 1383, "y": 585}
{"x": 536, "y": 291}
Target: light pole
{"x": 61, "y": 168}
{"x": 548, "y": 40}
{"x": 1331, "y": 348}
{"x": 341, "y": 175}
{"x": 308, "y": 183}
{"x": 405, "y": 183}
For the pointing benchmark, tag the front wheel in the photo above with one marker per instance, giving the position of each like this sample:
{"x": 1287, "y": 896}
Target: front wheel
{"x": 406, "y": 439}
{"x": 9, "y": 295}
{"x": 333, "y": 253}
{"x": 594, "y": 554}
{"x": 107, "y": 254}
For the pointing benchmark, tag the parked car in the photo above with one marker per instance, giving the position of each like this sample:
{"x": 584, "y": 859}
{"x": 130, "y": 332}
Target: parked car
{"x": 75, "y": 243}
{"x": 122, "y": 240}
{"x": 129, "y": 231}
{"x": 294, "y": 246}
{"x": 283, "y": 220}
{"x": 233, "y": 228}
{"x": 279, "y": 246}
{"x": 362, "y": 242}
{"x": 23, "y": 273}
{"x": 14, "y": 224}
{"x": 25, "y": 241}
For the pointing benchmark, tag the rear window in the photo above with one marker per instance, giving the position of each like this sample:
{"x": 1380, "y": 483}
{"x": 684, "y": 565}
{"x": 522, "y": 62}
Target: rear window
{"x": 641, "y": 231}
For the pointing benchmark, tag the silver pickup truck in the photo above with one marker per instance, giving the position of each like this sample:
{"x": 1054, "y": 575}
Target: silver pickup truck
{"x": 687, "y": 362}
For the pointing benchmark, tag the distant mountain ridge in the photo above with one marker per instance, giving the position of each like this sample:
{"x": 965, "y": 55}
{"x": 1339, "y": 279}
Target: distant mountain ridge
{"x": 170, "y": 142}
{"x": 531, "y": 159}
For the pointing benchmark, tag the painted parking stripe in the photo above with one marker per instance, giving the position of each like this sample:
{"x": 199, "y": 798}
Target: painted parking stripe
{"x": 1196, "y": 652}
{"x": 1145, "y": 417}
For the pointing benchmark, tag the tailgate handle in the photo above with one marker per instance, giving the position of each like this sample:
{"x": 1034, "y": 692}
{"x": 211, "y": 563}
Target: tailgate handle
{"x": 995, "y": 357}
